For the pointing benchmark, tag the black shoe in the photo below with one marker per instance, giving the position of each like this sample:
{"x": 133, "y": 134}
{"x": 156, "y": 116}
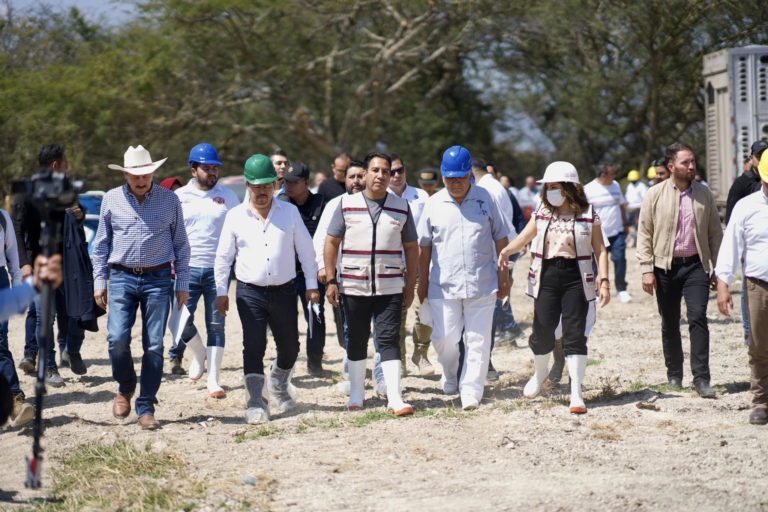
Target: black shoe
{"x": 52, "y": 378}
{"x": 75, "y": 363}
{"x": 759, "y": 416}
{"x": 63, "y": 359}
{"x": 28, "y": 365}
{"x": 315, "y": 365}
{"x": 176, "y": 368}
{"x": 704, "y": 389}
{"x": 492, "y": 375}
{"x": 675, "y": 383}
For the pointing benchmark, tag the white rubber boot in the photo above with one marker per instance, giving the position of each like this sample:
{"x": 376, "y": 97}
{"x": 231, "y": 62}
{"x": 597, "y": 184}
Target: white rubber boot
{"x": 379, "y": 384}
{"x": 356, "y": 385}
{"x": 540, "y": 376}
{"x": 343, "y": 386}
{"x": 215, "y": 355}
{"x": 577, "y": 367}
{"x": 197, "y": 366}
{"x": 395, "y": 402}
{"x": 256, "y": 396}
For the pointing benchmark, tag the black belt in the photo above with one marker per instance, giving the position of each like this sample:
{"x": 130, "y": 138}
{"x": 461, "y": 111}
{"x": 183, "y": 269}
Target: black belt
{"x": 561, "y": 262}
{"x": 275, "y": 287}
{"x": 685, "y": 260}
{"x": 141, "y": 270}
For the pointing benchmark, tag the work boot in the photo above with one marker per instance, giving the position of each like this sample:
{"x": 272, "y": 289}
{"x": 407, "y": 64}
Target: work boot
{"x": 556, "y": 373}
{"x": 215, "y": 355}
{"x": 419, "y": 358}
{"x": 257, "y": 403}
{"x": 759, "y": 416}
{"x": 74, "y": 362}
{"x": 315, "y": 365}
{"x": 28, "y": 365}
{"x": 577, "y": 367}
{"x": 53, "y": 378}
{"x": 278, "y": 383}
{"x": 176, "y": 368}
{"x": 540, "y": 375}
{"x": 197, "y": 365}
{"x": 22, "y": 412}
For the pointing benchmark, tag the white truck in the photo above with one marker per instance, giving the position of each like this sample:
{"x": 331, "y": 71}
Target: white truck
{"x": 736, "y": 90}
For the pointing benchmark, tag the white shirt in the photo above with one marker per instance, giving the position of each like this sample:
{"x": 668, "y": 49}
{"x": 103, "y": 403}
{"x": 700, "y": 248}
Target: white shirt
{"x": 416, "y": 198}
{"x": 527, "y": 197}
{"x": 501, "y": 198}
{"x": 746, "y": 237}
{"x": 607, "y": 202}
{"x": 463, "y": 239}
{"x": 322, "y": 232}
{"x": 314, "y": 190}
{"x": 265, "y": 253}
{"x": 204, "y": 214}
{"x": 10, "y": 255}
{"x": 635, "y": 195}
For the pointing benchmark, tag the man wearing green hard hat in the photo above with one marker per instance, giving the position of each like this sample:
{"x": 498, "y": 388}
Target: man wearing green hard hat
{"x": 263, "y": 238}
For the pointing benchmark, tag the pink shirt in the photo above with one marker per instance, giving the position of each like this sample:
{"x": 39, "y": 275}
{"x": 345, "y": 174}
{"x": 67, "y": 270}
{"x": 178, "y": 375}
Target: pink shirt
{"x": 685, "y": 240}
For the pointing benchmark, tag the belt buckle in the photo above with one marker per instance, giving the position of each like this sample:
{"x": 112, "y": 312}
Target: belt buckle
{"x": 138, "y": 270}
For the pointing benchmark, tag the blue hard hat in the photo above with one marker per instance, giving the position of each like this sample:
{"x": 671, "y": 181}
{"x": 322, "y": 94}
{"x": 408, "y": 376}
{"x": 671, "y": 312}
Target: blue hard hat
{"x": 457, "y": 162}
{"x": 203, "y": 154}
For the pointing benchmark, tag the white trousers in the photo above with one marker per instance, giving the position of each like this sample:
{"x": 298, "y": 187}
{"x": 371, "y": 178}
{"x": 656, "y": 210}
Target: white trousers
{"x": 591, "y": 317}
{"x": 475, "y": 318}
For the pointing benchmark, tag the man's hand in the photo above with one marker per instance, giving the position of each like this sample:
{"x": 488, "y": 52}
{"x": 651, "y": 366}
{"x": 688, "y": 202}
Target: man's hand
{"x": 100, "y": 296}
{"x": 222, "y": 305}
{"x": 504, "y": 284}
{"x": 605, "y": 296}
{"x": 312, "y": 296}
{"x": 649, "y": 283}
{"x": 407, "y": 298}
{"x": 47, "y": 269}
{"x": 321, "y": 277}
{"x": 332, "y": 294}
{"x": 77, "y": 211}
{"x": 423, "y": 290}
{"x": 26, "y": 271}
{"x": 626, "y": 229}
{"x": 724, "y": 299}
{"x": 713, "y": 282}
{"x": 181, "y": 299}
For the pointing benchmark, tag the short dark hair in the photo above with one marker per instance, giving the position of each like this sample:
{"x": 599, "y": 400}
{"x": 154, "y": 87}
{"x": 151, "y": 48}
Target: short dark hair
{"x": 339, "y": 155}
{"x": 375, "y": 154}
{"x": 660, "y": 162}
{"x": 670, "y": 155}
{"x": 601, "y": 168}
{"x": 396, "y": 157}
{"x": 354, "y": 163}
{"x": 479, "y": 163}
{"x": 48, "y": 154}
{"x": 277, "y": 152}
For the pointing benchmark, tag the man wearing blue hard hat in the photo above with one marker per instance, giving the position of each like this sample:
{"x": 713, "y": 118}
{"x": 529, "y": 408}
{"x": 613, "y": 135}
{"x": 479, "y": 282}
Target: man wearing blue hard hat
{"x": 459, "y": 282}
{"x": 205, "y": 204}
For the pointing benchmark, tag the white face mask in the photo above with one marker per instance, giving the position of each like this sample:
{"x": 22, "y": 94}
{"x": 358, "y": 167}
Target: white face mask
{"x": 555, "y": 197}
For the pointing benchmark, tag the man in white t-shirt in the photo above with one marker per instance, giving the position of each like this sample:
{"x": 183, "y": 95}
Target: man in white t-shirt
{"x": 605, "y": 196}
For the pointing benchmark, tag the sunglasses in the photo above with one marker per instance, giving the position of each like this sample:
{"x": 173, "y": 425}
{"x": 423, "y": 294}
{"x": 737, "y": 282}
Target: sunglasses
{"x": 399, "y": 170}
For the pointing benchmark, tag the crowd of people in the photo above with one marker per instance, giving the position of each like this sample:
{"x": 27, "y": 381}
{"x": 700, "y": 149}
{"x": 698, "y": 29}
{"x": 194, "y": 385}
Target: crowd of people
{"x": 376, "y": 249}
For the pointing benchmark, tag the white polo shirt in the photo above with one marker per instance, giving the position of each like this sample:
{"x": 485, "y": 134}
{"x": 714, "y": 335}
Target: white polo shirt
{"x": 607, "y": 202}
{"x": 204, "y": 214}
{"x": 501, "y": 197}
{"x": 746, "y": 238}
{"x": 416, "y": 200}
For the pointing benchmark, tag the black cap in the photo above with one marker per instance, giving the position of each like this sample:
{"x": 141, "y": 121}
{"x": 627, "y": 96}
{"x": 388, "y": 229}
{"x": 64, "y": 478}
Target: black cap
{"x": 759, "y": 146}
{"x": 428, "y": 176}
{"x": 296, "y": 171}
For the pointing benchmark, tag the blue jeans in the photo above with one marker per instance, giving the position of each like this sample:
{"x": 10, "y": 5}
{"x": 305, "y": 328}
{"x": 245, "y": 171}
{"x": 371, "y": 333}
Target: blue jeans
{"x": 201, "y": 283}
{"x": 30, "y": 332}
{"x": 617, "y": 252}
{"x": 7, "y": 368}
{"x": 316, "y": 343}
{"x": 128, "y": 292}
{"x": 71, "y": 335}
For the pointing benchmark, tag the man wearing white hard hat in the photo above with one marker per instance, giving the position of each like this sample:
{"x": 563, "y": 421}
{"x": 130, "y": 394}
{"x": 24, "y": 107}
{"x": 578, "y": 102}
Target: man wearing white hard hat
{"x": 561, "y": 279}
{"x": 141, "y": 232}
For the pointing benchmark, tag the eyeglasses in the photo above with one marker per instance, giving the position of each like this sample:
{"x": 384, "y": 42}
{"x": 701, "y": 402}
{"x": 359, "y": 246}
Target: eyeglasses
{"x": 399, "y": 170}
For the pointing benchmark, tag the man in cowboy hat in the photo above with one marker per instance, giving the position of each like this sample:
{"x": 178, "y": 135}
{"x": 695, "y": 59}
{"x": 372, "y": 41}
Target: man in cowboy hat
{"x": 141, "y": 232}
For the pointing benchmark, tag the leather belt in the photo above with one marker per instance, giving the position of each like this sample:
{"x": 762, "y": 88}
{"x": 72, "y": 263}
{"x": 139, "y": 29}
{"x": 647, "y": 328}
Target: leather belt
{"x": 687, "y": 259}
{"x": 141, "y": 270}
{"x": 289, "y": 284}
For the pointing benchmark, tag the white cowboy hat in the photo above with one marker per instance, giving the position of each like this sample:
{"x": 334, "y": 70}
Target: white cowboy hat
{"x": 138, "y": 162}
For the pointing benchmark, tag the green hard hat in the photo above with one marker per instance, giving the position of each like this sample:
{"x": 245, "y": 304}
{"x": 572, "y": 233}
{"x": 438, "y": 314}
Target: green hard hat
{"x": 259, "y": 170}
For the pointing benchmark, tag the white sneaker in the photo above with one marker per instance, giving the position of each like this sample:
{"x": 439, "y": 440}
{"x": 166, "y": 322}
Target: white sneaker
{"x": 624, "y": 297}
{"x": 469, "y": 403}
{"x": 450, "y": 387}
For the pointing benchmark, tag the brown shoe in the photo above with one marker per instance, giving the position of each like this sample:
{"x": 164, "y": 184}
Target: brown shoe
{"x": 148, "y": 422}
{"x": 759, "y": 416}
{"x": 121, "y": 407}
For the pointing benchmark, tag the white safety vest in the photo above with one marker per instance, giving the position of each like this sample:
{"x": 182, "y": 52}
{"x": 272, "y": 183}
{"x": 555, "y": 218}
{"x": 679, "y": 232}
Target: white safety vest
{"x": 582, "y": 236}
{"x": 371, "y": 253}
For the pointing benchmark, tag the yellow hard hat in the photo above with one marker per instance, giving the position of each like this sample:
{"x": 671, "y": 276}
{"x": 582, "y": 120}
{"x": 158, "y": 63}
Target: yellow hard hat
{"x": 633, "y": 175}
{"x": 651, "y": 172}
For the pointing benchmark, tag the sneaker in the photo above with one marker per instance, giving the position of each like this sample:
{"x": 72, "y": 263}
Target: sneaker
{"x": 469, "y": 403}
{"x": 492, "y": 375}
{"x": 28, "y": 365}
{"x": 176, "y": 368}
{"x": 74, "y": 362}
{"x": 624, "y": 297}
{"x": 53, "y": 378}
{"x": 22, "y": 412}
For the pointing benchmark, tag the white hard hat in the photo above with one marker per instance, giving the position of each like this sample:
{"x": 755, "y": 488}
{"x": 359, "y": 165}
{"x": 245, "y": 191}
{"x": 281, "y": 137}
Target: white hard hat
{"x": 560, "y": 172}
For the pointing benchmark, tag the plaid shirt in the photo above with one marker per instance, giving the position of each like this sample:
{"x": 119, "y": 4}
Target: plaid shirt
{"x": 685, "y": 240}
{"x": 141, "y": 235}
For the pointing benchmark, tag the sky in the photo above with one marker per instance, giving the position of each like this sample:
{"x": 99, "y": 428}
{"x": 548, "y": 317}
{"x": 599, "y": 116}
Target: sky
{"x": 112, "y": 12}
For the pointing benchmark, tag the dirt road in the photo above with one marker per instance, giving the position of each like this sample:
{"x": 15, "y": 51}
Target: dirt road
{"x": 511, "y": 454}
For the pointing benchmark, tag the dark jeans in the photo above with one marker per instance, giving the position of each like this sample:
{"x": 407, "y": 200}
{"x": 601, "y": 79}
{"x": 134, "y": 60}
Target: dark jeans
{"x": 70, "y": 336}
{"x": 259, "y": 306}
{"x": 561, "y": 292}
{"x": 7, "y": 368}
{"x": 617, "y": 252}
{"x": 691, "y": 282}
{"x": 201, "y": 284}
{"x": 387, "y": 311}
{"x": 30, "y": 332}
{"x": 316, "y": 343}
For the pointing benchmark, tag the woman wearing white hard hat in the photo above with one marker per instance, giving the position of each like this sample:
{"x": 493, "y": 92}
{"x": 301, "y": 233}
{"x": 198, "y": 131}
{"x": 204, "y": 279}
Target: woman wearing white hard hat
{"x": 561, "y": 279}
